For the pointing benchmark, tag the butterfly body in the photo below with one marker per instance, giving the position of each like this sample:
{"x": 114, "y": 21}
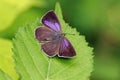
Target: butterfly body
{"x": 54, "y": 41}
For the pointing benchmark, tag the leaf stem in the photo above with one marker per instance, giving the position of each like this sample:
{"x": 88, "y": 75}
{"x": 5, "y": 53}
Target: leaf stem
{"x": 47, "y": 77}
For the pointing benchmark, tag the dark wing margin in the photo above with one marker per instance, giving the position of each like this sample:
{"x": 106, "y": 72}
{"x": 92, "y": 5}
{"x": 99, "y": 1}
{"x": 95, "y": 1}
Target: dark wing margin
{"x": 66, "y": 49}
{"x": 51, "y": 48}
{"x": 50, "y": 20}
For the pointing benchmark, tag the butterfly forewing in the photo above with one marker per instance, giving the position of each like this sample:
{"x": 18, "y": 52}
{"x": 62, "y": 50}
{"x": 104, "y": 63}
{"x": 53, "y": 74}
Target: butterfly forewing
{"x": 44, "y": 33}
{"x": 66, "y": 50}
{"x": 51, "y": 21}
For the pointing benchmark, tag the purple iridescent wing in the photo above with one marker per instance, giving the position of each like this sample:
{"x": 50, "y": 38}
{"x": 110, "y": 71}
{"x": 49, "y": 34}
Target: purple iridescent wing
{"x": 44, "y": 33}
{"x": 66, "y": 49}
{"x": 50, "y": 20}
{"x": 51, "y": 48}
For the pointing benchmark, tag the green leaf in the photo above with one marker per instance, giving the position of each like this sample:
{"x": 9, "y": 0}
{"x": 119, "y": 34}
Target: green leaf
{"x": 33, "y": 64}
{"x": 10, "y": 9}
{"x": 11, "y": 12}
{"x": 6, "y": 60}
{"x": 4, "y": 76}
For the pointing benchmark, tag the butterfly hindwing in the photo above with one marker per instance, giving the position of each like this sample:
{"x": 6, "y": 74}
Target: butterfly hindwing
{"x": 66, "y": 49}
{"x": 51, "y": 48}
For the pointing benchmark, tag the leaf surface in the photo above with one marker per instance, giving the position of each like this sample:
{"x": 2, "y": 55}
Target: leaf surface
{"x": 6, "y": 61}
{"x": 4, "y": 76}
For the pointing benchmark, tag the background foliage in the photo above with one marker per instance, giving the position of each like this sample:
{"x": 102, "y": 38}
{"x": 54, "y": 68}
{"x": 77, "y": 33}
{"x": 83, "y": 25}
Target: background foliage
{"x": 98, "y": 20}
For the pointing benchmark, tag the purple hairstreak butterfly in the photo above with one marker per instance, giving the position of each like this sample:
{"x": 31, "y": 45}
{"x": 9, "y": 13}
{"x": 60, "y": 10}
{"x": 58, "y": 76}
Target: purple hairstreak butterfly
{"x": 54, "y": 41}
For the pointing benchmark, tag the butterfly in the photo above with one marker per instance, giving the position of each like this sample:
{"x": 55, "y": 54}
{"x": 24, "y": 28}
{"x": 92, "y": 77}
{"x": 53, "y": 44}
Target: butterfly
{"x": 54, "y": 41}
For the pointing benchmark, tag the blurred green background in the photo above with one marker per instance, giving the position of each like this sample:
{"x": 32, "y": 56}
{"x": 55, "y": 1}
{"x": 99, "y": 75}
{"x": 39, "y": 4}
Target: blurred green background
{"x": 98, "y": 20}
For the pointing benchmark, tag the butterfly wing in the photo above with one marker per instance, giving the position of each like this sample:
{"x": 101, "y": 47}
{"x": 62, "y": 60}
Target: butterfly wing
{"x": 54, "y": 46}
{"x": 51, "y": 48}
{"x": 44, "y": 33}
{"x": 66, "y": 49}
{"x": 50, "y": 20}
